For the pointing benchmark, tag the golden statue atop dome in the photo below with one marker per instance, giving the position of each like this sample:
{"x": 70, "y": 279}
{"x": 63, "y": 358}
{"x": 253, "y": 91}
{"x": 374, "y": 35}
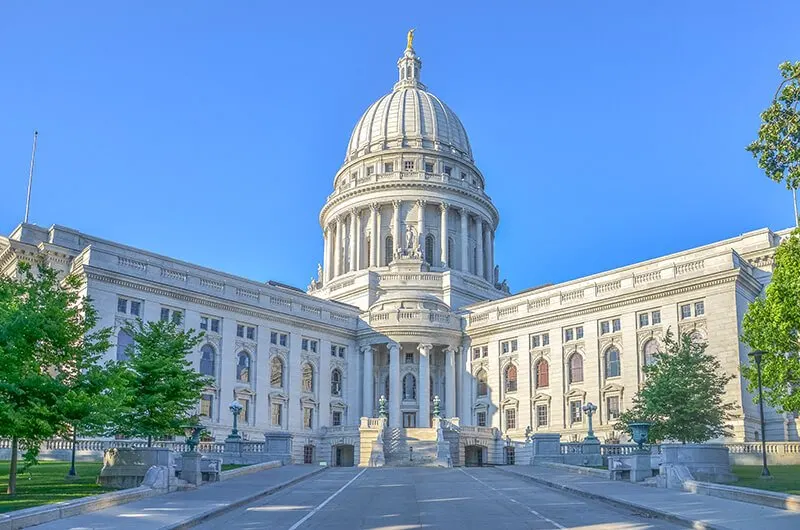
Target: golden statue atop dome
{"x": 410, "y": 38}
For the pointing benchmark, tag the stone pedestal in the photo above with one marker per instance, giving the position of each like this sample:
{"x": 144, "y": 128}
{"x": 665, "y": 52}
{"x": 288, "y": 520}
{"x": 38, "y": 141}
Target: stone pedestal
{"x": 706, "y": 462}
{"x": 640, "y": 466}
{"x": 126, "y": 467}
{"x": 545, "y": 447}
{"x": 190, "y": 468}
{"x": 233, "y": 445}
{"x": 278, "y": 446}
{"x": 442, "y": 450}
{"x": 376, "y": 457}
{"x": 591, "y": 452}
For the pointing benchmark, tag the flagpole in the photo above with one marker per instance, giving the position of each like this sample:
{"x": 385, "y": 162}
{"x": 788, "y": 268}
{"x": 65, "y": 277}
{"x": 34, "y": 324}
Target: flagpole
{"x": 30, "y": 176}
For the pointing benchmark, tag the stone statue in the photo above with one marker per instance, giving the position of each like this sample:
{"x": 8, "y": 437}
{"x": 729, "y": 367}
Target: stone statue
{"x": 409, "y": 237}
{"x": 319, "y": 273}
{"x": 410, "y": 39}
{"x": 496, "y": 274}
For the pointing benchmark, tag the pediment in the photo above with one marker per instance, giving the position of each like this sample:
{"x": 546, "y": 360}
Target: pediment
{"x": 541, "y": 397}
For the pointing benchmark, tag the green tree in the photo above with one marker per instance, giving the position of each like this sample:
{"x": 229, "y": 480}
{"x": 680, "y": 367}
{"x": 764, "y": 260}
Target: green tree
{"x": 163, "y": 388}
{"x": 683, "y": 394}
{"x": 771, "y": 324}
{"x": 48, "y": 339}
{"x": 778, "y": 145}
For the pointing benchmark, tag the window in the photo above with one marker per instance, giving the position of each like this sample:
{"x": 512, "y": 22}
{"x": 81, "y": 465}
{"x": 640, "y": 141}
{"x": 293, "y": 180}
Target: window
{"x": 579, "y": 332}
{"x": 409, "y": 387}
{"x": 480, "y": 351}
{"x": 370, "y": 170}
{"x": 171, "y": 315}
{"x": 388, "y": 251}
{"x": 429, "y": 249}
{"x": 388, "y": 167}
{"x": 541, "y": 415}
{"x": 307, "y": 378}
{"x": 481, "y": 419}
{"x": 616, "y": 325}
{"x": 309, "y": 345}
{"x": 686, "y": 311}
{"x": 336, "y": 418}
{"x": 276, "y": 373}
{"x": 243, "y": 367}
{"x": 483, "y": 383}
{"x": 605, "y": 327}
{"x": 510, "y": 454}
{"x": 308, "y": 418}
{"x": 656, "y": 317}
{"x": 508, "y": 346}
{"x": 612, "y": 407}
{"x": 124, "y": 341}
{"x": 649, "y": 318}
{"x": 209, "y": 324}
{"x": 649, "y": 351}
{"x": 644, "y": 320}
{"x": 244, "y": 415}
{"x": 279, "y": 339}
{"x": 342, "y": 351}
{"x": 576, "y": 368}
{"x": 428, "y": 167}
{"x": 612, "y": 362}
{"x": 206, "y": 405}
{"x": 542, "y": 371}
{"x": 511, "y": 419}
{"x": 308, "y": 454}
{"x": 207, "y": 360}
{"x": 575, "y": 412}
{"x": 276, "y": 414}
{"x": 448, "y": 170}
{"x": 354, "y": 175}
{"x": 450, "y": 250}
{"x": 409, "y": 358}
{"x": 129, "y": 306}
{"x": 510, "y": 378}
{"x": 245, "y": 331}
{"x": 699, "y": 309}
{"x": 122, "y": 305}
{"x": 336, "y": 383}
{"x": 408, "y": 165}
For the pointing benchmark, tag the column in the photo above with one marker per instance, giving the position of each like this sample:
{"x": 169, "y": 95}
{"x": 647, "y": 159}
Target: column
{"x": 369, "y": 381}
{"x": 326, "y": 255}
{"x": 466, "y": 387}
{"x": 395, "y": 389}
{"x": 353, "y": 245}
{"x": 424, "y": 386}
{"x": 450, "y": 382}
{"x": 379, "y": 244}
{"x": 375, "y": 238}
{"x": 337, "y": 248}
{"x": 324, "y": 385}
{"x": 488, "y": 272}
{"x": 464, "y": 240}
{"x": 395, "y": 229}
{"x": 421, "y": 229}
{"x": 479, "y": 240}
{"x": 443, "y": 233}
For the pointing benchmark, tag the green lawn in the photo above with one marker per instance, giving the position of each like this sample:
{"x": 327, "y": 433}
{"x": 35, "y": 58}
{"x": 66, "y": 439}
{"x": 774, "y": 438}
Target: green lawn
{"x": 45, "y": 484}
{"x": 226, "y": 467}
{"x": 785, "y": 479}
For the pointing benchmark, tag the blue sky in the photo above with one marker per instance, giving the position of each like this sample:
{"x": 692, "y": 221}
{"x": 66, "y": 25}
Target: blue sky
{"x": 608, "y": 132}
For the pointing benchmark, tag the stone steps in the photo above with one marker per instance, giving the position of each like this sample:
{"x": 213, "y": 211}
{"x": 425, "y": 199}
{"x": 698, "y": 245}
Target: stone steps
{"x": 398, "y": 442}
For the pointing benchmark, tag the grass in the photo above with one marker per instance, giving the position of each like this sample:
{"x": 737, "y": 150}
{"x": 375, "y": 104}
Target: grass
{"x": 45, "y": 484}
{"x": 785, "y": 479}
{"x": 226, "y": 467}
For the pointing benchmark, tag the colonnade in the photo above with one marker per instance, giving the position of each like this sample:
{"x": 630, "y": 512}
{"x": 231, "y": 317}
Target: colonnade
{"x": 352, "y": 245}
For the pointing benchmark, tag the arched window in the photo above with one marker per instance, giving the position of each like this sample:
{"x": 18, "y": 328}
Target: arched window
{"x": 429, "y": 249}
{"x": 649, "y": 351}
{"x": 450, "y": 249}
{"x": 243, "y": 367}
{"x": 308, "y": 378}
{"x": 123, "y": 341}
{"x": 336, "y": 383}
{"x": 575, "y": 368}
{"x": 510, "y": 378}
{"x": 207, "y": 359}
{"x": 542, "y": 374}
{"x": 276, "y": 373}
{"x": 483, "y": 383}
{"x": 389, "y": 251}
{"x": 612, "y": 362}
{"x": 409, "y": 387}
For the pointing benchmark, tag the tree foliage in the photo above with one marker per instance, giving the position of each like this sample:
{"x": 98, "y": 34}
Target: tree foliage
{"x": 162, "y": 387}
{"x": 771, "y": 324}
{"x": 49, "y": 349}
{"x": 778, "y": 145}
{"x": 683, "y": 394}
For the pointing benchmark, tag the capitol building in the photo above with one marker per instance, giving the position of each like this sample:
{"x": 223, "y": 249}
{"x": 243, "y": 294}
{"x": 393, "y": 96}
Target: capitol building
{"x": 408, "y": 306}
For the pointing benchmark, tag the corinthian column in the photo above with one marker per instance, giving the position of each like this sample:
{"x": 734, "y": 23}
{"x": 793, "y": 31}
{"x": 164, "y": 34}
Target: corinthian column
{"x": 395, "y": 229}
{"x": 464, "y": 240}
{"x": 337, "y": 247}
{"x": 395, "y": 390}
{"x": 326, "y": 255}
{"x": 369, "y": 381}
{"x": 479, "y": 240}
{"x": 424, "y": 387}
{"x": 353, "y": 241}
{"x": 450, "y": 382}
{"x": 421, "y": 228}
{"x": 443, "y": 234}
{"x": 488, "y": 250}
{"x": 375, "y": 238}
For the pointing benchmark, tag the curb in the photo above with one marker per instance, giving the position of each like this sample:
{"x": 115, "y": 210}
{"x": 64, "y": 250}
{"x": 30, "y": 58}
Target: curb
{"x": 654, "y": 512}
{"x": 219, "y": 510}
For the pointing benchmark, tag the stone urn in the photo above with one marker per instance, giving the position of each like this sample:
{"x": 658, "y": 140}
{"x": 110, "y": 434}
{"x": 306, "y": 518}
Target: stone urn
{"x": 639, "y": 432}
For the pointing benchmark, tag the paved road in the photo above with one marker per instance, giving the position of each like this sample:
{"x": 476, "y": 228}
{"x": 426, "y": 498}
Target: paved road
{"x": 408, "y": 498}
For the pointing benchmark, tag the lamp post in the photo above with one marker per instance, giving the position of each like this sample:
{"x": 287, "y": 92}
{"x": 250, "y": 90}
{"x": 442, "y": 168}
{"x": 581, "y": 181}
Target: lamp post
{"x": 235, "y": 407}
{"x": 757, "y": 355}
{"x": 590, "y": 409}
{"x": 192, "y": 433}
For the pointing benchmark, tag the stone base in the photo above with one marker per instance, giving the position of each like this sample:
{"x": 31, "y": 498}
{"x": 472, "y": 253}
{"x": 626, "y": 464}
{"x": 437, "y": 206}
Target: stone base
{"x": 190, "y": 468}
{"x": 126, "y": 467}
{"x": 705, "y": 462}
{"x": 278, "y": 446}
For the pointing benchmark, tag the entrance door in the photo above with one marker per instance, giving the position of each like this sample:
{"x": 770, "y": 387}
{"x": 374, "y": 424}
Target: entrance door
{"x": 409, "y": 419}
{"x": 308, "y": 454}
{"x": 344, "y": 456}
{"x": 473, "y": 455}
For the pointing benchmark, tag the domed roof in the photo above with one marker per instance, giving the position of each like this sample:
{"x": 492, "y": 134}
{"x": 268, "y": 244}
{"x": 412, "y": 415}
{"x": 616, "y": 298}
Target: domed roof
{"x": 409, "y": 116}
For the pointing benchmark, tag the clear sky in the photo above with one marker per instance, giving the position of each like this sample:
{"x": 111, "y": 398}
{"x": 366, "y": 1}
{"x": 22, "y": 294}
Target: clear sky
{"x": 608, "y": 132}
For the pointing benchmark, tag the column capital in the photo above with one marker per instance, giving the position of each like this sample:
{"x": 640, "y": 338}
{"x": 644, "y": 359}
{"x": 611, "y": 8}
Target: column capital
{"x": 443, "y": 206}
{"x": 366, "y": 349}
{"x": 374, "y": 206}
{"x": 394, "y": 346}
{"x": 425, "y": 348}
{"x": 421, "y": 202}
{"x": 396, "y": 203}
{"x": 337, "y": 220}
{"x": 353, "y": 212}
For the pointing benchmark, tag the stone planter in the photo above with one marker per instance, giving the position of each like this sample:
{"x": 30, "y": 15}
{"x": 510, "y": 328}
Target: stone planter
{"x": 125, "y": 467}
{"x": 706, "y": 462}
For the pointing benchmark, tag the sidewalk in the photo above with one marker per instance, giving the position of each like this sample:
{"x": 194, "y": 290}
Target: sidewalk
{"x": 184, "y": 509}
{"x": 696, "y": 511}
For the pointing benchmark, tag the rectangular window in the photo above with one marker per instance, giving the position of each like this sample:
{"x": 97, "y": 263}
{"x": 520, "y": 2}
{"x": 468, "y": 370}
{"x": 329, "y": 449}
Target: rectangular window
{"x": 276, "y": 413}
{"x": 481, "y": 419}
{"x": 129, "y": 306}
{"x": 569, "y": 334}
{"x": 686, "y": 311}
{"x": 579, "y": 332}
{"x": 171, "y": 315}
{"x": 244, "y": 415}
{"x": 136, "y": 308}
{"x": 122, "y": 305}
{"x": 308, "y": 418}
{"x": 304, "y": 344}
{"x": 336, "y": 420}
{"x": 535, "y": 341}
{"x": 644, "y": 320}
{"x": 333, "y": 350}
{"x": 409, "y": 358}
{"x": 428, "y": 167}
{"x": 464, "y": 177}
{"x": 388, "y": 167}
{"x": 699, "y": 309}
{"x": 279, "y": 339}
{"x": 209, "y": 323}
{"x": 476, "y": 353}
{"x": 206, "y": 405}
{"x": 605, "y": 327}
{"x": 204, "y": 323}
{"x": 448, "y": 170}
{"x": 504, "y": 346}
{"x": 575, "y": 412}
{"x": 164, "y": 314}
{"x": 251, "y": 333}
{"x": 616, "y": 325}
{"x": 541, "y": 415}
{"x": 370, "y": 170}
{"x": 408, "y": 165}
{"x": 485, "y": 351}
{"x": 342, "y": 351}
{"x": 273, "y": 338}
{"x": 545, "y": 339}
{"x": 612, "y": 407}
{"x": 511, "y": 419}
{"x": 656, "y": 317}
{"x": 283, "y": 339}
{"x": 240, "y": 330}
{"x": 354, "y": 175}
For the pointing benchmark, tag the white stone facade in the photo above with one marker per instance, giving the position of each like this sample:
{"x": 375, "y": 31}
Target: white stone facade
{"x": 408, "y": 304}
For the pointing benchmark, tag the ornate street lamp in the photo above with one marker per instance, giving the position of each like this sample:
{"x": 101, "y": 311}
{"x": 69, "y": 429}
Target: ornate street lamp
{"x": 590, "y": 409}
{"x": 192, "y": 433}
{"x": 235, "y": 407}
{"x": 382, "y": 413}
{"x": 757, "y": 355}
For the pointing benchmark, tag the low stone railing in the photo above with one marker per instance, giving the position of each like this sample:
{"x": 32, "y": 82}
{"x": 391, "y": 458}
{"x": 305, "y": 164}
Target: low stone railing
{"x": 789, "y": 448}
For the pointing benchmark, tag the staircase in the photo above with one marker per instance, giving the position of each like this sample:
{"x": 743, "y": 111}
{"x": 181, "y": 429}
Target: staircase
{"x": 398, "y": 442}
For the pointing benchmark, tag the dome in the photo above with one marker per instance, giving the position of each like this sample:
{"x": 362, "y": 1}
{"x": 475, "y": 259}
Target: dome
{"x": 409, "y": 116}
